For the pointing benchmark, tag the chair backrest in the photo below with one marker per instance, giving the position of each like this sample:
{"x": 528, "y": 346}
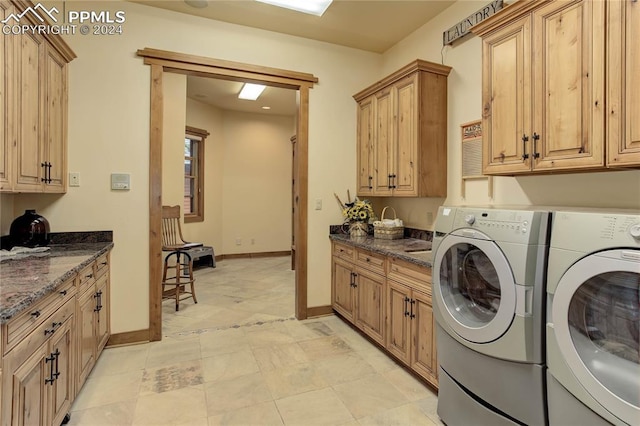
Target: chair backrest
{"x": 171, "y": 231}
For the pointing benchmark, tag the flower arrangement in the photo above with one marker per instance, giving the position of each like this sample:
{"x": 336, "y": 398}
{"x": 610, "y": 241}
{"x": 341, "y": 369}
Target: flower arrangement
{"x": 358, "y": 211}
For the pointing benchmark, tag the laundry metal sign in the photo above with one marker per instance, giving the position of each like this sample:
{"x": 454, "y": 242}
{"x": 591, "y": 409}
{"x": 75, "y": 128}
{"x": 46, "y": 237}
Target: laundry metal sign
{"x": 462, "y": 28}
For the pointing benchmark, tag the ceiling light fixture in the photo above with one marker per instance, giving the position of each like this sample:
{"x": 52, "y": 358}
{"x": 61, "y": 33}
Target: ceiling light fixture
{"x": 313, "y": 7}
{"x": 266, "y": 107}
{"x": 198, "y": 4}
{"x": 251, "y": 91}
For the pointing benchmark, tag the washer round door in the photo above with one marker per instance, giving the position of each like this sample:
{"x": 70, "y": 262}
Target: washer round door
{"x": 474, "y": 287}
{"x": 596, "y": 318}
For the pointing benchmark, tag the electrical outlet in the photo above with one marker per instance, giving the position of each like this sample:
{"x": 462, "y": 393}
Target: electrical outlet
{"x": 74, "y": 179}
{"x": 238, "y": 241}
{"x": 318, "y": 204}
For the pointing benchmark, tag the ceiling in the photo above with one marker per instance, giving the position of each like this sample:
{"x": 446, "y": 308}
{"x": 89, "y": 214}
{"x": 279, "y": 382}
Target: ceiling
{"x": 362, "y": 24}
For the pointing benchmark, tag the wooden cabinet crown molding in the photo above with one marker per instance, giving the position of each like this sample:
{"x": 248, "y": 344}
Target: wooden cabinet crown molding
{"x": 417, "y": 65}
{"x": 510, "y": 12}
{"x": 54, "y": 40}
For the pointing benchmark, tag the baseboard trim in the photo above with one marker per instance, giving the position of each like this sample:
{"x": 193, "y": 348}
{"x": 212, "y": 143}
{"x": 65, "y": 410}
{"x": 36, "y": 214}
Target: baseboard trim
{"x": 319, "y": 311}
{"x": 254, "y": 255}
{"x": 128, "y": 338}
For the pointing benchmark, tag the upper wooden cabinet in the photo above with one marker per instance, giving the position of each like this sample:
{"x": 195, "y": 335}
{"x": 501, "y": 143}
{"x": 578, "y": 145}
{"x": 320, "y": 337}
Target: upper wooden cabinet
{"x": 623, "y": 87}
{"x": 402, "y": 133}
{"x": 33, "y": 155}
{"x": 543, "y": 79}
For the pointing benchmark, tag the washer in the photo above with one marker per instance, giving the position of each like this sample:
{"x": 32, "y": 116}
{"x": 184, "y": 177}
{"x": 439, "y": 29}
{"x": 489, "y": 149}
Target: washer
{"x": 489, "y": 297}
{"x": 593, "y": 328}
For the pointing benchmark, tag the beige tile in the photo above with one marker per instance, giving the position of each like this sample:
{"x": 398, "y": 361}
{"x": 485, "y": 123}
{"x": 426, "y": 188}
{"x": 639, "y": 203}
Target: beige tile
{"x": 410, "y": 386}
{"x": 182, "y": 406}
{"x": 172, "y": 377}
{"x": 429, "y": 406}
{"x": 401, "y": 416}
{"x": 239, "y": 392}
{"x": 344, "y": 368}
{"x": 118, "y": 414}
{"x": 108, "y": 389}
{"x": 321, "y": 407}
{"x": 223, "y": 342}
{"x": 369, "y": 396}
{"x": 324, "y": 347}
{"x": 121, "y": 360}
{"x": 302, "y": 330}
{"x": 265, "y": 414}
{"x": 293, "y": 380}
{"x": 279, "y": 356}
{"x": 168, "y": 351}
{"x": 228, "y": 366}
{"x": 380, "y": 361}
{"x": 275, "y": 334}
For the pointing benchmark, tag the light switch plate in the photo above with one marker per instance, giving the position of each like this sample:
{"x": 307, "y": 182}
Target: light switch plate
{"x": 74, "y": 179}
{"x": 120, "y": 181}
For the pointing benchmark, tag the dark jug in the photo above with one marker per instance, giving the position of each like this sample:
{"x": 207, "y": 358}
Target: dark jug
{"x": 29, "y": 230}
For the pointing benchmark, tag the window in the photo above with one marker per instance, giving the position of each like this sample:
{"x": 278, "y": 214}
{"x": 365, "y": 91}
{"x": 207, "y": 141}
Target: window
{"x": 193, "y": 205}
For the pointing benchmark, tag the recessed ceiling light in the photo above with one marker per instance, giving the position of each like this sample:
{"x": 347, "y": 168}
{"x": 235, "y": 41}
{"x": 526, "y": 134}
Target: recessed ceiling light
{"x": 313, "y": 7}
{"x": 266, "y": 107}
{"x": 251, "y": 91}
{"x": 198, "y": 4}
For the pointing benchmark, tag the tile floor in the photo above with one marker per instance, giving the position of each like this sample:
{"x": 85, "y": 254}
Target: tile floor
{"x": 239, "y": 357}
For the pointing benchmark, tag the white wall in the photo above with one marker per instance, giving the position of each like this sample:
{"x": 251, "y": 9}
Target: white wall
{"x": 109, "y": 132}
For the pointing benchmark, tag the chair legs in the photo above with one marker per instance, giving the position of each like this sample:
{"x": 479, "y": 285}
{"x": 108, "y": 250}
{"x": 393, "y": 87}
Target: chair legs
{"x": 183, "y": 268}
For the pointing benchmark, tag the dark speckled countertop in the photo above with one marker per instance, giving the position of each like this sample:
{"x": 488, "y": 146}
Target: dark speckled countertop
{"x": 25, "y": 280}
{"x": 409, "y": 249}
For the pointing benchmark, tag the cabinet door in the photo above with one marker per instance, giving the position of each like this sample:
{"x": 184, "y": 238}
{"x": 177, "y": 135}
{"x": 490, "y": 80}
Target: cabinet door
{"x": 63, "y": 386}
{"x": 406, "y": 146}
{"x": 29, "y": 405}
{"x": 102, "y": 314}
{"x": 384, "y": 140}
{"x": 55, "y": 114}
{"x": 28, "y": 66}
{"x": 7, "y": 102}
{"x": 342, "y": 289}
{"x": 568, "y": 49}
{"x": 423, "y": 357}
{"x": 507, "y": 98}
{"x": 370, "y": 304}
{"x": 365, "y": 146}
{"x": 398, "y": 342}
{"x": 86, "y": 329}
{"x": 623, "y": 91}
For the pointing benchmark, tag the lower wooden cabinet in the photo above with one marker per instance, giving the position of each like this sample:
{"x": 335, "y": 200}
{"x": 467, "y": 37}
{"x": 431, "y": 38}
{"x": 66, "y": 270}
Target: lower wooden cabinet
{"x": 38, "y": 373}
{"x": 49, "y": 349}
{"x": 358, "y": 293}
{"x": 389, "y": 300}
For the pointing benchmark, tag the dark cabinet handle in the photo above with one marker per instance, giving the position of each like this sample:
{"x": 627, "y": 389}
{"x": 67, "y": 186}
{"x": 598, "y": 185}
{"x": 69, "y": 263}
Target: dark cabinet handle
{"x": 353, "y": 280}
{"x": 49, "y": 168}
{"x": 525, "y": 139}
{"x": 370, "y": 179}
{"x": 536, "y": 138}
{"x": 44, "y": 179}
{"x": 51, "y": 378}
{"x": 98, "y": 297}
{"x": 412, "y": 315}
{"x": 389, "y": 181}
{"x": 89, "y": 276}
{"x": 35, "y": 314}
{"x": 406, "y": 308}
{"x": 393, "y": 182}
{"x": 103, "y": 264}
{"x": 368, "y": 260}
{"x": 63, "y": 293}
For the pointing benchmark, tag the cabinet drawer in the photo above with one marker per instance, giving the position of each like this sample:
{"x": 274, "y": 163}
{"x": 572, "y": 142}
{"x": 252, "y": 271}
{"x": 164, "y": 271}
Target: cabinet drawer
{"x": 44, "y": 331}
{"x": 407, "y": 273}
{"x": 344, "y": 251}
{"x": 102, "y": 265}
{"x": 19, "y": 327}
{"x": 86, "y": 277}
{"x": 370, "y": 261}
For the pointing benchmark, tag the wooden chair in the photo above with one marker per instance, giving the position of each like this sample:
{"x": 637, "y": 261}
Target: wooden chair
{"x": 173, "y": 242}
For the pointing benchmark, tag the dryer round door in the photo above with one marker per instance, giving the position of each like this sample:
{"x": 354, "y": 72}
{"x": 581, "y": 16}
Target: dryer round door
{"x": 596, "y": 318}
{"x": 474, "y": 288}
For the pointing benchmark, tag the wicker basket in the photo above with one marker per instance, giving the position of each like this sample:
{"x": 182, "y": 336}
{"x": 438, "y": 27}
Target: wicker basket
{"x": 386, "y": 232}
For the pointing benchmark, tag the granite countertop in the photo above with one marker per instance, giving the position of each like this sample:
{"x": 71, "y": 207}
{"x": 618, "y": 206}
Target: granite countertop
{"x": 409, "y": 249}
{"x": 26, "y": 280}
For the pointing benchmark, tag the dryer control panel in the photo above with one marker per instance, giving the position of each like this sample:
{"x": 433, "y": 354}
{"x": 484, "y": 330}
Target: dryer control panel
{"x": 589, "y": 231}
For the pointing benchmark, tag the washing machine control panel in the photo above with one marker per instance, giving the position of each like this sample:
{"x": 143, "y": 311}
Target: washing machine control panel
{"x": 634, "y": 231}
{"x": 502, "y": 225}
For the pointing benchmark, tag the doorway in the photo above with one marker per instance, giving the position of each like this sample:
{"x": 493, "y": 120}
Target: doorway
{"x": 162, "y": 62}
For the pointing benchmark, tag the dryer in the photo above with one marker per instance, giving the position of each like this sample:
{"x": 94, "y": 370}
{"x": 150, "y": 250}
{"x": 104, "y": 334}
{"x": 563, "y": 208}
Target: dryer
{"x": 593, "y": 328}
{"x": 488, "y": 286}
